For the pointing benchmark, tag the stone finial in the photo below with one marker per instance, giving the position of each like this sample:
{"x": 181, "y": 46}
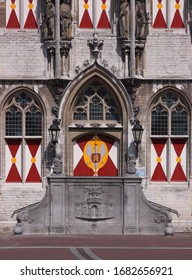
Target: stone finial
{"x": 95, "y": 45}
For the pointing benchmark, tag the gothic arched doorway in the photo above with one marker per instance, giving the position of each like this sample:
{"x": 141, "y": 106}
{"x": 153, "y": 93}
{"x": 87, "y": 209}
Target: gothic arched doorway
{"x": 95, "y": 113}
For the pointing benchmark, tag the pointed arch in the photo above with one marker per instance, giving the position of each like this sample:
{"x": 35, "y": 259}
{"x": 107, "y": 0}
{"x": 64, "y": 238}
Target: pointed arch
{"x": 168, "y": 120}
{"x": 94, "y": 104}
{"x": 92, "y": 72}
{"x": 23, "y": 147}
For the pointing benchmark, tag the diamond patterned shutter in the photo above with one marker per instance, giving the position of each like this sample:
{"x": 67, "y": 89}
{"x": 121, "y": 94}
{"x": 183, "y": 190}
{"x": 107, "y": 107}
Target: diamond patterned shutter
{"x": 95, "y": 155}
{"x": 13, "y": 161}
{"x": 177, "y": 14}
{"x": 33, "y": 160}
{"x": 30, "y": 14}
{"x": 178, "y": 160}
{"x": 13, "y": 14}
{"x": 103, "y": 14}
{"x": 159, "y": 14}
{"x": 85, "y": 14}
{"x": 158, "y": 160}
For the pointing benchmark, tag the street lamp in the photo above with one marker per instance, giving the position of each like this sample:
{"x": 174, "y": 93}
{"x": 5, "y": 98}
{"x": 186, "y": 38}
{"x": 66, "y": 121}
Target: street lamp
{"x": 137, "y": 131}
{"x": 54, "y": 135}
{"x": 54, "y": 131}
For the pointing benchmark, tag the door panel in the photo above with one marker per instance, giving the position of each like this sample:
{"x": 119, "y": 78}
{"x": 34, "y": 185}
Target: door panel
{"x": 95, "y": 155}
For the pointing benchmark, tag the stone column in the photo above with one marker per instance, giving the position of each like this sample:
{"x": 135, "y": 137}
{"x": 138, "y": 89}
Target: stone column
{"x": 114, "y": 9}
{"x": 51, "y": 58}
{"x": 139, "y": 59}
{"x": 168, "y": 14}
{"x": 132, "y": 37}
{"x": 94, "y": 15}
{"x": 65, "y": 47}
{"x": 57, "y": 39}
{"x": 126, "y": 53}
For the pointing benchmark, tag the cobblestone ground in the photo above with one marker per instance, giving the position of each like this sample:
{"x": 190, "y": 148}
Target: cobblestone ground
{"x": 96, "y": 247}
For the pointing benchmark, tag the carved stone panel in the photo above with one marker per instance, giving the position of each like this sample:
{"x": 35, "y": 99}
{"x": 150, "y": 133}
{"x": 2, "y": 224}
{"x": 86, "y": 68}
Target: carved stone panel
{"x": 95, "y": 207}
{"x": 93, "y": 203}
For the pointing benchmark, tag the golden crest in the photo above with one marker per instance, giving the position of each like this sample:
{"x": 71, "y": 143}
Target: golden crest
{"x": 95, "y": 154}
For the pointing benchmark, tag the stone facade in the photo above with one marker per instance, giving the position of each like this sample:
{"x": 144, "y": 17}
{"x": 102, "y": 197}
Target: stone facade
{"x": 135, "y": 73}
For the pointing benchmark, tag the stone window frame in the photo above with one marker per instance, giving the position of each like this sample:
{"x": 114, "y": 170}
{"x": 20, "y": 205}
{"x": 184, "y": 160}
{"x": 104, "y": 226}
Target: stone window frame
{"x": 24, "y": 109}
{"x": 185, "y": 103}
{"x": 85, "y": 100}
{"x": 35, "y": 102}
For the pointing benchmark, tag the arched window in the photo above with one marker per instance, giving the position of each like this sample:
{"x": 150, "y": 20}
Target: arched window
{"x": 169, "y": 136}
{"x": 23, "y": 137}
{"x": 95, "y": 103}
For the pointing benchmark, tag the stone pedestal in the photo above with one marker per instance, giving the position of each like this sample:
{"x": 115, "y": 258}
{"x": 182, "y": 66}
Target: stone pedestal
{"x": 93, "y": 205}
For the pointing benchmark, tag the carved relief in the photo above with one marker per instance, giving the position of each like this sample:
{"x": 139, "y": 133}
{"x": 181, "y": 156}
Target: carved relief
{"x": 56, "y": 88}
{"x": 93, "y": 203}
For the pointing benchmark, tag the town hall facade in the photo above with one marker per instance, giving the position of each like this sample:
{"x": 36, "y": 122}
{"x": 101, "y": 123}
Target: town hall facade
{"x": 96, "y": 69}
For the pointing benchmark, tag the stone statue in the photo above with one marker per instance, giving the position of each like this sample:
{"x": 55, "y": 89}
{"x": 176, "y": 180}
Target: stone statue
{"x": 65, "y": 19}
{"x": 124, "y": 19}
{"x": 57, "y": 165}
{"x": 49, "y": 20}
{"x": 140, "y": 20}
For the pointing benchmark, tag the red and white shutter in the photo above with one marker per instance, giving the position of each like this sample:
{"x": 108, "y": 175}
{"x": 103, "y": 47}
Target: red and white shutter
{"x": 159, "y": 13}
{"x": 103, "y": 14}
{"x": 85, "y": 14}
{"x": 13, "y": 159}
{"x": 177, "y": 13}
{"x": 178, "y": 160}
{"x": 13, "y": 14}
{"x": 159, "y": 160}
{"x": 95, "y": 155}
{"x": 33, "y": 161}
{"x": 30, "y": 14}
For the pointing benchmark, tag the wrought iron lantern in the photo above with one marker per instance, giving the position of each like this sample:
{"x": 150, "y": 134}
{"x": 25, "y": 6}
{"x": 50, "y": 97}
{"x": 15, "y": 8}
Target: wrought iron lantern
{"x": 54, "y": 131}
{"x": 137, "y": 132}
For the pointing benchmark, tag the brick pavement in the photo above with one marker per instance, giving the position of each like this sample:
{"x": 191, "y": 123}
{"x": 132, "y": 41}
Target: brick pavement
{"x": 73, "y": 247}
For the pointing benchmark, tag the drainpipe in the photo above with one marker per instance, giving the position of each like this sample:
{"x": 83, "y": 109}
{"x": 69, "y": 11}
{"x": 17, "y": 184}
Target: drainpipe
{"x": 132, "y": 37}
{"x": 57, "y": 40}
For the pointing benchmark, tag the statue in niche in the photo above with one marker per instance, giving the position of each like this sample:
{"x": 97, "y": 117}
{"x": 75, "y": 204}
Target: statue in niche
{"x": 49, "y": 20}
{"x": 124, "y": 19}
{"x": 140, "y": 20}
{"x": 65, "y": 18}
